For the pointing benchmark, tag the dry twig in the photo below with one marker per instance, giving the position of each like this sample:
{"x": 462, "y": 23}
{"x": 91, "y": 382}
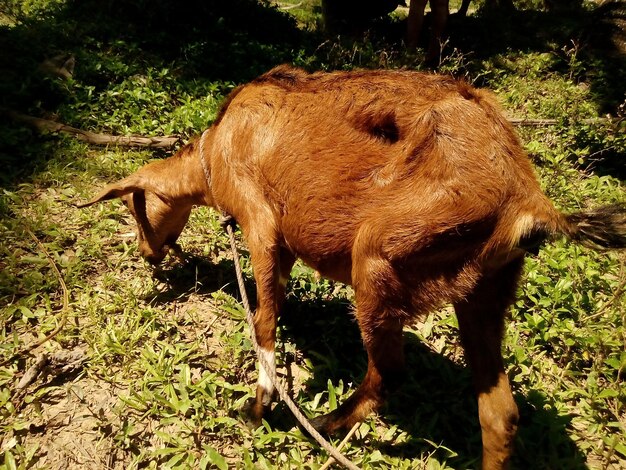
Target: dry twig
{"x": 31, "y": 374}
{"x": 341, "y": 445}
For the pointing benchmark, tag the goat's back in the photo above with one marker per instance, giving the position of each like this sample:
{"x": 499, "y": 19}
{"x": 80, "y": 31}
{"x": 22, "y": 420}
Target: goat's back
{"x": 420, "y": 168}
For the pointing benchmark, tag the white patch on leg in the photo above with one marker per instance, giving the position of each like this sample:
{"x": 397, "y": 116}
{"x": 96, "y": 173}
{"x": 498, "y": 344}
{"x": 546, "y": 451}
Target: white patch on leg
{"x": 264, "y": 377}
{"x": 522, "y": 226}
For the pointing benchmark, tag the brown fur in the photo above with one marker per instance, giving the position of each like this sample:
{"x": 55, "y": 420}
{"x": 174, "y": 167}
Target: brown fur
{"x": 411, "y": 187}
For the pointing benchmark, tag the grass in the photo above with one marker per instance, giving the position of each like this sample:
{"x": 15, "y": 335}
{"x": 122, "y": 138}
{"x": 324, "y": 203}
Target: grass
{"x": 167, "y": 360}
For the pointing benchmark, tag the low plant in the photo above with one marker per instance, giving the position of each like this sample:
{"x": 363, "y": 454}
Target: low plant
{"x": 163, "y": 360}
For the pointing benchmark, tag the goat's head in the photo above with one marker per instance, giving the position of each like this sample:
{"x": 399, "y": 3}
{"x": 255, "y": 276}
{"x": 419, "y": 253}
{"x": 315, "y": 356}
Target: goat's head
{"x": 160, "y": 219}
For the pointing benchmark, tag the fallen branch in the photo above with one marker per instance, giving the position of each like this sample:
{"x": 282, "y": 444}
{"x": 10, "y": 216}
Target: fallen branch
{"x": 286, "y": 7}
{"x": 524, "y": 122}
{"x": 45, "y": 125}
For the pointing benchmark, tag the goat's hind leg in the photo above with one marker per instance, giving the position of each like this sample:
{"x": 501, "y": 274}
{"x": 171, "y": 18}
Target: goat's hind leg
{"x": 385, "y": 366}
{"x": 481, "y": 324}
{"x": 381, "y": 330}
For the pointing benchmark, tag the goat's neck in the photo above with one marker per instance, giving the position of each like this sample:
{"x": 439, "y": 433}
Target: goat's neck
{"x": 186, "y": 184}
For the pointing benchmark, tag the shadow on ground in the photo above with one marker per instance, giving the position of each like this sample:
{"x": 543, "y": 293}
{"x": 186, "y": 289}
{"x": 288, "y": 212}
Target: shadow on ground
{"x": 197, "y": 275}
{"x": 436, "y": 405}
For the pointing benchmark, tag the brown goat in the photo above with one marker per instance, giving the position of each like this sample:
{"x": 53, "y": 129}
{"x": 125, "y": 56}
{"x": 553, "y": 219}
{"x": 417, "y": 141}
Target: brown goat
{"x": 413, "y": 188}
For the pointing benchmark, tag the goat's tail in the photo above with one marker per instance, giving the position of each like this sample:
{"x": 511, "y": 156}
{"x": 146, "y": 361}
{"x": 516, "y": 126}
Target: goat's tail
{"x": 602, "y": 228}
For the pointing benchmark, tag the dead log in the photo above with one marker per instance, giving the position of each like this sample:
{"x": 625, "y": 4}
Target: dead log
{"x": 46, "y": 125}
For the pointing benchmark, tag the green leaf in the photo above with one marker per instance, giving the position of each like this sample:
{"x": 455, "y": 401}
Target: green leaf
{"x": 620, "y": 447}
{"x": 9, "y": 461}
{"x": 332, "y": 396}
{"x": 608, "y": 393}
{"x": 213, "y": 457}
{"x": 176, "y": 459}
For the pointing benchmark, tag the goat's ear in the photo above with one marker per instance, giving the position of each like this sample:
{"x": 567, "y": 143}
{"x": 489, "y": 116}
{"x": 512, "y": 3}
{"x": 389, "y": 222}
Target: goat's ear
{"x": 115, "y": 190}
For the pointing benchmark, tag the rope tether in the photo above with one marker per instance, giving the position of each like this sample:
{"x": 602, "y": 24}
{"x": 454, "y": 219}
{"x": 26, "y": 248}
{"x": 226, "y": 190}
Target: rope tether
{"x": 228, "y": 222}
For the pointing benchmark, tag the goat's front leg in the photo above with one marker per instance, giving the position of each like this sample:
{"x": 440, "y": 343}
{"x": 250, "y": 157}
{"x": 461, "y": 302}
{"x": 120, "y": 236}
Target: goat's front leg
{"x": 272, "y": 266}
{"x": 481, "y": 324}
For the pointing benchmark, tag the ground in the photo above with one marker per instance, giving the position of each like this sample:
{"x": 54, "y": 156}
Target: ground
{"x": 151, "y": 368}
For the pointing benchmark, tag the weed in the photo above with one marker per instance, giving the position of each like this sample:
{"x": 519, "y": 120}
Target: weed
{"x": 169, "y": 359}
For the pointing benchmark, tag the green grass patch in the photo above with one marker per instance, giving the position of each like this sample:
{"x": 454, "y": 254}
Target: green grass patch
{"x": 167, "y": 360}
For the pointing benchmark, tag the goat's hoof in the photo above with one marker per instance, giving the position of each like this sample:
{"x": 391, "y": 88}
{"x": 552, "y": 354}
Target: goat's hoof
{"x": 252, "y": 412}
{"x": 249, "y": 412}
{"x": 325, "y": 424}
